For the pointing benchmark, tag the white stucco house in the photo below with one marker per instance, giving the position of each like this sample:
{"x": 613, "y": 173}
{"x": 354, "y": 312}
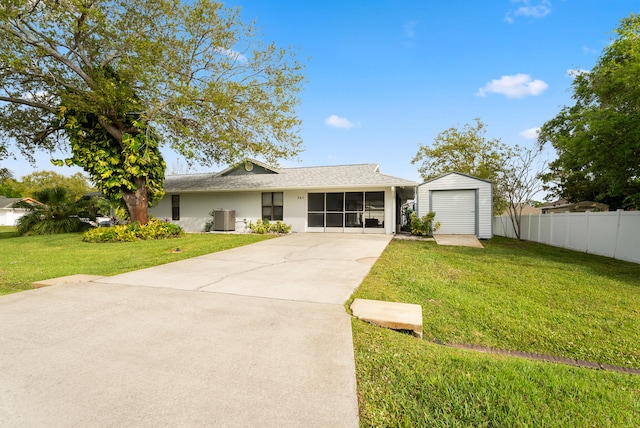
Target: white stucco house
{"x": 346, "y": 198}
{"x": 9, "y": 214}
{"x": 463, "y": 204}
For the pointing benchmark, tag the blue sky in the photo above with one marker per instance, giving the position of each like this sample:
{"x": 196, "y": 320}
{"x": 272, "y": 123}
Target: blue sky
{"x": 387, "y": 76}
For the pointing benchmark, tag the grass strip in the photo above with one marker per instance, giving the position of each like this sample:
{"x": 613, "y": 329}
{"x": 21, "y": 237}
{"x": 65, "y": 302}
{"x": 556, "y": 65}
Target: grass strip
{"x": 511, "y": 295}
{"x": 24, "y": 260}
{"x": 516, "y": 295}
{"x": 407, "y": 382}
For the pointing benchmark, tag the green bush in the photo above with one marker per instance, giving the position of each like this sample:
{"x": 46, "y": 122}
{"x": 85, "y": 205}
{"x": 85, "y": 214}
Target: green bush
{"x": 154, "y": 229}
{"x": 56, "y": 213}
{"x": 265, "y": 226}
{"x": 423, "y": 226}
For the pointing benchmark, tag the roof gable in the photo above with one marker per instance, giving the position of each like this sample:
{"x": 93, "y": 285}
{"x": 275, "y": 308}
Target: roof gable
{"x": 10, "y": 202}
{"x": 457, "y": 173}
{"x": 248, "y": 166}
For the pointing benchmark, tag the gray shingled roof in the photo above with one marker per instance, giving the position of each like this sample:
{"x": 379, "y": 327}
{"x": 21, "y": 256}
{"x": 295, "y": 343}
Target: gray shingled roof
{"x": 8, "y": 202}
{"x": 352, "y": 176}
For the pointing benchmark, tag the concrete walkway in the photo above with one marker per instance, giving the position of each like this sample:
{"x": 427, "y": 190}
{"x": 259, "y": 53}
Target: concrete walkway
{"x": 254, "y": 336}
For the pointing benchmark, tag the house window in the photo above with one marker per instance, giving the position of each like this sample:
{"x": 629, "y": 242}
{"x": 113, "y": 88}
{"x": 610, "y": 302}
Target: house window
{"x": 175, "y": 207}
{"x": 346, "y": 209}
{"x": 272, "y": 205}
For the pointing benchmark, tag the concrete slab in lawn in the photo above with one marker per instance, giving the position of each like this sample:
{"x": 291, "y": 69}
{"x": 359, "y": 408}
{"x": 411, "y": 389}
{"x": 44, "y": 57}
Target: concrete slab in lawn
{"x": 458, "y": 240}
{"x": 394, "y": 315}
{"x": 71, "y": 279}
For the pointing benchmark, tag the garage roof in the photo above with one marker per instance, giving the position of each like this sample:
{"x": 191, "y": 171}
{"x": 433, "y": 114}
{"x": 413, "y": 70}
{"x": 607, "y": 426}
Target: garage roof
{"x": 457, "y": 173}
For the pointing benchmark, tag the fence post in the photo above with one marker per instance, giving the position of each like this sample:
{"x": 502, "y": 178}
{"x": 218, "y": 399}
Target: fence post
{"x": 539, "y": 227}
{"x": 588, "y": 234}
{"x": 566, "y": 229}
{"x": 615, "y": 248}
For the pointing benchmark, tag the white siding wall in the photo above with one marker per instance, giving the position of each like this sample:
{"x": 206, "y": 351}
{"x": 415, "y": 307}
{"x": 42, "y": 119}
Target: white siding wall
{"x": 461, "y": 182}
{"x": 389, "y": 212}
{"x": 195, "y": 208}
{"x": 9, "y": 216}
{"x": 295, "y": 209}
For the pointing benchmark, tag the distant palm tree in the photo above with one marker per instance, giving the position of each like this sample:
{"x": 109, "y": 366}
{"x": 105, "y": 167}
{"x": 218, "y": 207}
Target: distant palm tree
{"x": 56, "y": 214}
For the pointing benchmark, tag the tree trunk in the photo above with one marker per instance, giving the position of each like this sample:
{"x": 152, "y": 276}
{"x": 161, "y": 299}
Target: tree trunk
{"x": 137, "y": 201}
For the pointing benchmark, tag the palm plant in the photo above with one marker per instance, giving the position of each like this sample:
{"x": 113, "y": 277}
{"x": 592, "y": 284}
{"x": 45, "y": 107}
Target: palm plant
{"x": 56, "y": 213}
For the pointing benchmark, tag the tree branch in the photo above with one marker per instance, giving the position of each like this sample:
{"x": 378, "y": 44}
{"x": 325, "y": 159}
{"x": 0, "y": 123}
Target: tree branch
{"x": 78, "y": 41}
{"x": 29, "y": 103}
{"x": 27, "y": 34}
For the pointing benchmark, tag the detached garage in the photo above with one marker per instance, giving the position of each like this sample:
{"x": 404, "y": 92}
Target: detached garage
{"x": 463, "y": 204}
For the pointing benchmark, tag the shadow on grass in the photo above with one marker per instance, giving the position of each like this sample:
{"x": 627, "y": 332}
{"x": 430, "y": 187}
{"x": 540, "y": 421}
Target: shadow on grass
{"x": 9, "y": 234}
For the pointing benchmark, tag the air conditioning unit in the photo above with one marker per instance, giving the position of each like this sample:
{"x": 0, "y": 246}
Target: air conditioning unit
{"x": 224, "y": 220}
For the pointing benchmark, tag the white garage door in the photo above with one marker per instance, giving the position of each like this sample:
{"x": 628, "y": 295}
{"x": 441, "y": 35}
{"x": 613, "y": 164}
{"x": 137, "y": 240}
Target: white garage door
{"x": 455, "y": 210}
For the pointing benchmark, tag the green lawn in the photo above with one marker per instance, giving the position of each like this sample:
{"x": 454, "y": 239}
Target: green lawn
{"x": 510, "y": 295}
{"x": 32, "y": 258}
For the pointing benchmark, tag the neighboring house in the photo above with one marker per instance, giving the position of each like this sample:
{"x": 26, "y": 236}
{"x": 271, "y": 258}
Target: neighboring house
{"x": 463, "y": 204}
{"x": 10, "y": 215}
{"x": 564, "y": 206}
{"x": 526, "y": 210}
{"x": 347, "y": 198}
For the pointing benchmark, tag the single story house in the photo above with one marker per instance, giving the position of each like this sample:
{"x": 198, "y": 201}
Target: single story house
{"x": 346, "y": 198}
{"x": 463, "y": 204}
{"x": 9, "y": 214}
{"x": 526, "y": 210}
{"x": 564, "y": 206}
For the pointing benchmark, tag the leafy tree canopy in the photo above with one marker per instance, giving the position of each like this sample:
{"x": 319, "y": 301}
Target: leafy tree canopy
{"x": 467, "y": 151}
{"x": 598, "y": 138}
{"x": 76, "y": 186}
{"x": 111, "y": 80}
{"x": 9, "y": 186}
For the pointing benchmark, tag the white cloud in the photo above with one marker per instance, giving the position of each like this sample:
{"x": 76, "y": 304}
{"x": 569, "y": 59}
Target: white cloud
{"x": 336, "y": 121}
{"x": 573, "y": 73}
{"x": 516, "y": 86}
{"x": 234, "y": 55}
{"x": 528, "y": 9}
{"x": 531, "y": 134}
{"x": 409, "y": 29}
{"x": 38, "y": 96}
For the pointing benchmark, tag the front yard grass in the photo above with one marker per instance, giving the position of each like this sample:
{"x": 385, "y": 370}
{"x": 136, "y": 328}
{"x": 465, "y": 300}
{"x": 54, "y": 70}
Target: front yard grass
{"x": 32, "y": 258}
{"x": 510, "y": 295}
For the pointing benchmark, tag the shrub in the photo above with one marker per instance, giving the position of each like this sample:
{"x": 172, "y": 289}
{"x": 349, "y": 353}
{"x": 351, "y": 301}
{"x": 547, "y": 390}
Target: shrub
{"x": 154, "y": 229}
{"x": 265, "y": 226}
{"x": 55, "y": 214}
{"x": 208, "y": 226}
{"x": 423, "y": 226}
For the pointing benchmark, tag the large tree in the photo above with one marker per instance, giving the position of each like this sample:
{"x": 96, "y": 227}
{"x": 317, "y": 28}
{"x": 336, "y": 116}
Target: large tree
{"x": 598, "y": 138}
{"x": 9, "y": 186}
{"x": 467, "y": 151}
{"x": 110, "y": 80}
{"x": 76, "y": 186}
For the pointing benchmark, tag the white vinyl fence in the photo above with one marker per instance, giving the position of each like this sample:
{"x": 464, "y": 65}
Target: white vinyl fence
{"x": 612, "y": 234}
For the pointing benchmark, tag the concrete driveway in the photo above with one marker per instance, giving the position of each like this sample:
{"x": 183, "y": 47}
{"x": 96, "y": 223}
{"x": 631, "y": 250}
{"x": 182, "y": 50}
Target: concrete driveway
{"x": 254, "y": 336}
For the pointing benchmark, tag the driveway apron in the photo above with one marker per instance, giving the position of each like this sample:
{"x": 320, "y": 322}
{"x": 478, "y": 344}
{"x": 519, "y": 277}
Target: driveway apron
{"x": 253, "y": 336}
